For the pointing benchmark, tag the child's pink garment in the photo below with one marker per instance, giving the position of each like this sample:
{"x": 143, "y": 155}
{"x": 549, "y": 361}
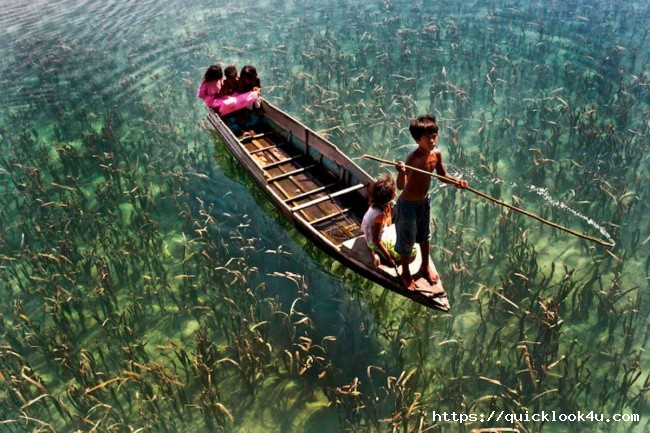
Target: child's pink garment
{"x": 208, "y": 91}
{"x": 228, "y": 104}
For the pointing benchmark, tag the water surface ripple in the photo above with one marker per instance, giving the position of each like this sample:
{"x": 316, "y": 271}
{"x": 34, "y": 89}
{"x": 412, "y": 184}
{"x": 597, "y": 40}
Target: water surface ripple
{"x": 146, "y": 284}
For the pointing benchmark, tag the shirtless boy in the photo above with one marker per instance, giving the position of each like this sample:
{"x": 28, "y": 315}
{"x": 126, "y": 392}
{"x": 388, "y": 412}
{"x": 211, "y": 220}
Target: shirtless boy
{"x": 413, "y": 205}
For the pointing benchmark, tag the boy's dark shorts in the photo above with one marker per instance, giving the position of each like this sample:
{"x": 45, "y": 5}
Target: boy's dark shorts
{"x": 412, "y": 224}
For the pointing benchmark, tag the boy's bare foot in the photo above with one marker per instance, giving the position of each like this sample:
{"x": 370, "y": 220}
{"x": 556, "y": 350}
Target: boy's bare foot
{"x": 429, "y": 274}
{"x": 409, "y": 282}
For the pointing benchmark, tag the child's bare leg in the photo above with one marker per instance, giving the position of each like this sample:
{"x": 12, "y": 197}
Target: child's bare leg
{"x": 426, "y": 270}
{"x": 407, "y": 279}
{"x": 376, "y": 259}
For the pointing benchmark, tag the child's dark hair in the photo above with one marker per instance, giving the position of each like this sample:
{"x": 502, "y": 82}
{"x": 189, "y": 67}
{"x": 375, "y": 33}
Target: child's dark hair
{"x": 248, "y": 72}
{"x": 425, "y": 124}
{"x": 213, "y": 73}
{"x": 230, "y": 71}
{"x": 382, "y": 191}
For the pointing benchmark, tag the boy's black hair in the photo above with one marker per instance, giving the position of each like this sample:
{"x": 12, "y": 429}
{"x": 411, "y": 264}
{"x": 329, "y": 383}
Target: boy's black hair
{"x": 248, "y": 71}
{"x": 230, "y": 71}
{"x": 382, "y": 191}
{"x": 425, "y": 124}
{"x": 213, "y": 73}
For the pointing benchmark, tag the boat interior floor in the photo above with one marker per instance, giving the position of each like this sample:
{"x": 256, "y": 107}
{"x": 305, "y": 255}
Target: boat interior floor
{"x": 329, "y": 205}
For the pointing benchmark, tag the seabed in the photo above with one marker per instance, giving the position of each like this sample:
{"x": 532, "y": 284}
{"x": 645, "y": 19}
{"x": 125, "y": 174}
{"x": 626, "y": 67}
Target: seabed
{"x": 147, "y": 286}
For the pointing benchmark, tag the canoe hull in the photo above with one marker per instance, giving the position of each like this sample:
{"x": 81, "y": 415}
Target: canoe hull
{"x": 321, "y": 192}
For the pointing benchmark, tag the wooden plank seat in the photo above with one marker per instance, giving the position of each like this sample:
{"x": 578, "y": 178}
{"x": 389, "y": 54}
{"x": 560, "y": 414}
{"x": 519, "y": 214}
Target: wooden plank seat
{"x": 272, "y": 155}
{"x": 292, "y": 188}
{"x": 323, "y": 206}
{"x": 245, "y": 139}
{"x": 327, "y": 197}
{"x": 281, "y": 161}
{"x": 307, "y": 193}
{"x": 276, "y": 158}
{"x": 332, "y": 215}
{"x": 264, "y": 149}
{"x": 261, "y": 145}
{"x": 289, "y": 173}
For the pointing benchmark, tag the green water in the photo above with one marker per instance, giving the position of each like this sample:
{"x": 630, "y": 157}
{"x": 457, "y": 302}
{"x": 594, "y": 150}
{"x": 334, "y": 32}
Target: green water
{"x": 146, "y": 285}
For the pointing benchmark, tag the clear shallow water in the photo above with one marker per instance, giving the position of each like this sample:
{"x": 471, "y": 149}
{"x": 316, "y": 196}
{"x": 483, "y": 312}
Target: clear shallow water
{"x": 147, "y": 284}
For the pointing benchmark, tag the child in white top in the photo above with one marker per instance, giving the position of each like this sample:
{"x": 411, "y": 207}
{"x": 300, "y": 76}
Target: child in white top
{"x": 378, "y": 216}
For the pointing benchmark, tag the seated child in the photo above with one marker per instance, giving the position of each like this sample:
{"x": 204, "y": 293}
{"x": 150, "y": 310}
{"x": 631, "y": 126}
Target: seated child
{"x": 248, "y": 79}
{"x": 231, "y": 83}
{"x": 243, "y": 121}
{"x": 378, "y": 216}
{"x": 211, "y": 85}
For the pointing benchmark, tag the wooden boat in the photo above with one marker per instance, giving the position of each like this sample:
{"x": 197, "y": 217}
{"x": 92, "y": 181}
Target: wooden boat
{"x": 322, "y": 192}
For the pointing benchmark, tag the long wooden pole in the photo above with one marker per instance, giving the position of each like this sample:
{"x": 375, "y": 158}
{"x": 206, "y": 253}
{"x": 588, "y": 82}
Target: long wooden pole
{"x": 497, "y": 201}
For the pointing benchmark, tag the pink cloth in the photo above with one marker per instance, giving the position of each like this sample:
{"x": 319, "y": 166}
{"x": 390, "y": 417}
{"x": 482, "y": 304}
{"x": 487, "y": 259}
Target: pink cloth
{"x": 228, "y": 104}
{"x": 208, "y": 91}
